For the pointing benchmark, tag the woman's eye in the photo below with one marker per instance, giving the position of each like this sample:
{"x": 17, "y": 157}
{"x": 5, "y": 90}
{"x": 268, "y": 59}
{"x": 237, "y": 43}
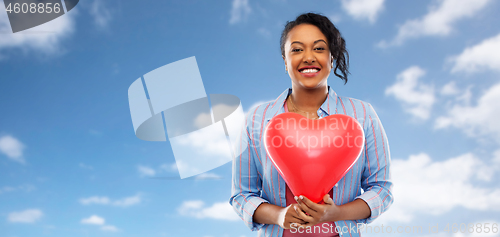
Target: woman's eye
{"x": 319, "y": 48}
{"x": 296, "y": 50}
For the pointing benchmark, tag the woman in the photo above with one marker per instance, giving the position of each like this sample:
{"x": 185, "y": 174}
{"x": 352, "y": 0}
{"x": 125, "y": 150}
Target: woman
{"x": 311, "y": 48}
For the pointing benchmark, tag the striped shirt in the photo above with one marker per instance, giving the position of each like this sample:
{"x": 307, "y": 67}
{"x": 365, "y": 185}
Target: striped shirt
{"x": 255, "y": 179}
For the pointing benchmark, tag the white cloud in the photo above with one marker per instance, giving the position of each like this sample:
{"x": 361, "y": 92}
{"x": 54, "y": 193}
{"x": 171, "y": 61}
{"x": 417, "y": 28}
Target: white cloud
{"x": 25, "y": 188}
{"x": 224, "y": 108}
{"x": 93, "y": 220}
{"x": 428, "y": 187}
{"x": 110, "y": 228}
{"x": 101, "y": 14}
{"x": 462, "y": 96}
{"x": 438, "y": 21}
{"x": 186, "y": 167}
{"x": 45, "y": 38}
{"x": 202, "y": 119}
{"x": 94, "y": 200}
{"x": 124, "y": 202}
{"x": 205, "y": 142}
{"x": 207, "y": 175}
{"x": 209, "y": 147}
{"x": 173, "y": 168}
{"x": 219, "y": 210}
{"x": 450, "y": 89}
{"x": 496, "y": 159}
{"x": 483, "y": 56}
{"x": 100, "y": 221}
{"x": 201, "y": 149}
{"x": 417, "y": 98}
{"x": 26, "y": 216}
{"x": 145, "y": 171}
{"x": 12, "y": 147}
{"x": 363, "y": 9}
{"x": 169, "y": 167}
{"x": 128, "y": 201}
{"x": 480, "y": 120}
{"x": 239, "y": 11}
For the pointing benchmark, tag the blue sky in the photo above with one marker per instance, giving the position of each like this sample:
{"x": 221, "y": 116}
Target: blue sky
{"x": 70, "y": 164}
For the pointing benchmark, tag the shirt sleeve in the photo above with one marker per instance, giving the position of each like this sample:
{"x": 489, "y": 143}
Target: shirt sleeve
{"x": 246, "y": 181}
{"x": 376, "y": 177}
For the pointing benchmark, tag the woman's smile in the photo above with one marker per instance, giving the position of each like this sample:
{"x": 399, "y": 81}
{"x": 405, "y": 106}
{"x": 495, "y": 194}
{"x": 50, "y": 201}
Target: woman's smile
{"x": 309, "y": 71}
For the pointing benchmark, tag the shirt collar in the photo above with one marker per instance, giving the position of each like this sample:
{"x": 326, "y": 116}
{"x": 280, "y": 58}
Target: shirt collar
{"x": 277, "y": 107}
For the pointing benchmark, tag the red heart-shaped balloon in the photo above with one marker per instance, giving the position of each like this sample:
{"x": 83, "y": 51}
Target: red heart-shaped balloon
{"x": 313, "y": 155}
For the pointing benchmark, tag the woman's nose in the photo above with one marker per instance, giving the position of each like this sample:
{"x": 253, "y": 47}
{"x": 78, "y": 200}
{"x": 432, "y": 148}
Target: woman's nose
{"x": 309, "y": 57}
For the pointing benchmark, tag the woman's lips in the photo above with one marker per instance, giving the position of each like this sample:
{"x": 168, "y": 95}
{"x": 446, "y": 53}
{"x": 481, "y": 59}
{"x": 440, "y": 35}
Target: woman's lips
{"x": 309, "y": 72}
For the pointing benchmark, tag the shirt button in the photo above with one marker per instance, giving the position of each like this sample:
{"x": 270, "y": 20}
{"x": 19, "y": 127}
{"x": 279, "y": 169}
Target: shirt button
{"x": 336, "y": 185}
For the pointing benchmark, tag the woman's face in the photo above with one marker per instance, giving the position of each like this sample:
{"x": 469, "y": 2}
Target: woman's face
{"x": 307, "y": 56}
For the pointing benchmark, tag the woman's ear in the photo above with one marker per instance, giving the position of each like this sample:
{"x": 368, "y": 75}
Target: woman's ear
{"x": 284, "y": 60}
{"x": 333, "y": 60}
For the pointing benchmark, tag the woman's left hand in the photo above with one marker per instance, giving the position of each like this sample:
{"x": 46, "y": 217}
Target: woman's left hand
{"x": 316, "y": 213}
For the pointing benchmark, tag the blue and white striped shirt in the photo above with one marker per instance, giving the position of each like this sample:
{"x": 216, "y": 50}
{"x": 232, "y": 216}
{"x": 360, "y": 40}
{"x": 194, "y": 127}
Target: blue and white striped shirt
{"x": 255, "y": 180}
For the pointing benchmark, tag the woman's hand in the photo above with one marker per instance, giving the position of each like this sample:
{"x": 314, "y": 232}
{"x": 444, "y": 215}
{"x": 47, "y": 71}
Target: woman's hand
{"x": 314, "y": 213}
{"x": 288, "y": 217}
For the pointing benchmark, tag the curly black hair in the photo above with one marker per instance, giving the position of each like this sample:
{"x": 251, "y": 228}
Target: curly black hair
{"x": 335, "y": 41}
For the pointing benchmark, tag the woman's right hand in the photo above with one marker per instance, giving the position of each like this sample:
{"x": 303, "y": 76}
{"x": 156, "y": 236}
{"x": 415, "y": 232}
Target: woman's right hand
{"x": 288, "y": 216}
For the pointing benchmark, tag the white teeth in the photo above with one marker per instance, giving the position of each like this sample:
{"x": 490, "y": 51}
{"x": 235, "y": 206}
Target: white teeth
{"x": 310, "y": 70}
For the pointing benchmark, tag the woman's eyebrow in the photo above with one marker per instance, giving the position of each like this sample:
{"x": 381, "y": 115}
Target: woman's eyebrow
{"x": 298, "y": 42}
{"x": 319, "y": 41}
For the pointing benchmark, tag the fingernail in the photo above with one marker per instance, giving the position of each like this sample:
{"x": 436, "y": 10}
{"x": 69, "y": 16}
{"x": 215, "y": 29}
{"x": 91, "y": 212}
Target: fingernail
{"x": 296, "y": 199}
{"x": 301, "y": 197}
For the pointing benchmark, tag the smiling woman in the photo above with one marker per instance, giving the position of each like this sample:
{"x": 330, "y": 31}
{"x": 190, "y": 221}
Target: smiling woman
{"x": 307, "y": 57}
{"x": 312, "y": 47}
